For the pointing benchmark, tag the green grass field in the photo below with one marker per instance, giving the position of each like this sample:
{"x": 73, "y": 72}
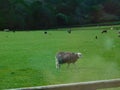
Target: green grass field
{"x": 28, "y": 58}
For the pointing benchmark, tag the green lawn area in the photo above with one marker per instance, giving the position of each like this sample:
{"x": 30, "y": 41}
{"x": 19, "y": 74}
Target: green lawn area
{"x": 28, "y": 58}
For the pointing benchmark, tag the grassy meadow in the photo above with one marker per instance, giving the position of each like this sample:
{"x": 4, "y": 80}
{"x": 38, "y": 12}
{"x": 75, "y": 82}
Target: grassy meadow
{"x": 28, "y": 58}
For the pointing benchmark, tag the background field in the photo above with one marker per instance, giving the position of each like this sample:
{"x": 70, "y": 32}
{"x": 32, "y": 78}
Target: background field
{"x": 28, "y": 58}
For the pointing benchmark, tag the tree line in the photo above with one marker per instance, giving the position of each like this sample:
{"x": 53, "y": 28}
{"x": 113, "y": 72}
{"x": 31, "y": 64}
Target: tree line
{"x": 44, "y": 14}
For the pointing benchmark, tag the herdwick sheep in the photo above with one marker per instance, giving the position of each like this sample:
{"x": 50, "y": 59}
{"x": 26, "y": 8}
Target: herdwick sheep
{"x": 14, "y": 31}
{"x": 96, "y": 37}
{"x": 45, "y": 32}
{"x": 119, "y": 32}
{"x": 104, "y": 31}
{"x": 118, "y": 35}
{"x": 69, "y": 31}
{"x": 6, "y": 30}
{"x": 66, "y": 57}
{"x": 111, "y": 28}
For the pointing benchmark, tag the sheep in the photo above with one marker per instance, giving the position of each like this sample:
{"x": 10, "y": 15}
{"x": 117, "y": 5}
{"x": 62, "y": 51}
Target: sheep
{"x": 118, "y": 35}
{"x": 6, "y": 30}
{"x": 69, "y": 31}
{"x": 45, "y": 32}
{"x": 66, "y": 57}
{"x": 111, "y": 28}
{"x": 104, "y": 31}
{"x": 14, "y": 31}
{"x": 96, "y": 37}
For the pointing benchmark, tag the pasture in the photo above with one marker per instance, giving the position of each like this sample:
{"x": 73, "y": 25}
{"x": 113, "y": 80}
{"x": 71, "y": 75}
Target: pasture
{"x": 28, "y": 58}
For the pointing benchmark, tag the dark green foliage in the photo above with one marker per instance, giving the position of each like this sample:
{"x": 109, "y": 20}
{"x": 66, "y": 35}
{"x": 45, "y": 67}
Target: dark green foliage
{"x": 43, "y": 14}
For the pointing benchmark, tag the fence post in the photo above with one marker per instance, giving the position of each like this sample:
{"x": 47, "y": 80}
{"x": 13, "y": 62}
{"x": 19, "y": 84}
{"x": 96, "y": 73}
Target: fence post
{"x": 91, "y": 85}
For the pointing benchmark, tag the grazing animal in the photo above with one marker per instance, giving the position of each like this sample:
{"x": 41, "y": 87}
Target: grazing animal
{"x": 45, "y": 32}
{"x": 69, "y": 31}
{"x": 111, "y": 28}
{"x": 96, "y": 37}
{"x": 12, "y": 72}
{"x": 66, "y": 57}
{"x": 118, "y": 35}
{"x": 6, "y": 30}
{"x": 104, "y": 31}
{"x": 14, "y": 31}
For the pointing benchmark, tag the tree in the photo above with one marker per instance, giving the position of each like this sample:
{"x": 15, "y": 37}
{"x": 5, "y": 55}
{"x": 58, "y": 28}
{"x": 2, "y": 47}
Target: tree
{"x": 61, "y": 19}
{"x": 41, "y": 15}
{"x": 4, "y": 11}
{"x": 38, "y": 14}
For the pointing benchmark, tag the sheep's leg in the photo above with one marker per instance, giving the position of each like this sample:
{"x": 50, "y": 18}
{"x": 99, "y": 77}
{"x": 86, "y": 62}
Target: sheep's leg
{"x": 57, "y": 64}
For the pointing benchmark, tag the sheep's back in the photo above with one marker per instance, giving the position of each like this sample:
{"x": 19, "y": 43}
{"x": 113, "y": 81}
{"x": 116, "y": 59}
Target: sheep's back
{"x": 66, "y": 57}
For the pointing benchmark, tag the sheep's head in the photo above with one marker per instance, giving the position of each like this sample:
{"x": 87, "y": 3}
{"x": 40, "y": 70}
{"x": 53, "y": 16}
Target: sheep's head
{"x": 79, "y": 55}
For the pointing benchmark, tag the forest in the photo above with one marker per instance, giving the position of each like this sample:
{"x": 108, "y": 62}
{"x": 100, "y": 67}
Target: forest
{"x": 44, "y": 14}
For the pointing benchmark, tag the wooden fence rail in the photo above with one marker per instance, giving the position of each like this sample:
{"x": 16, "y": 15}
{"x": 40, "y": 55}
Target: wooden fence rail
{"x": 92, "y": 85}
